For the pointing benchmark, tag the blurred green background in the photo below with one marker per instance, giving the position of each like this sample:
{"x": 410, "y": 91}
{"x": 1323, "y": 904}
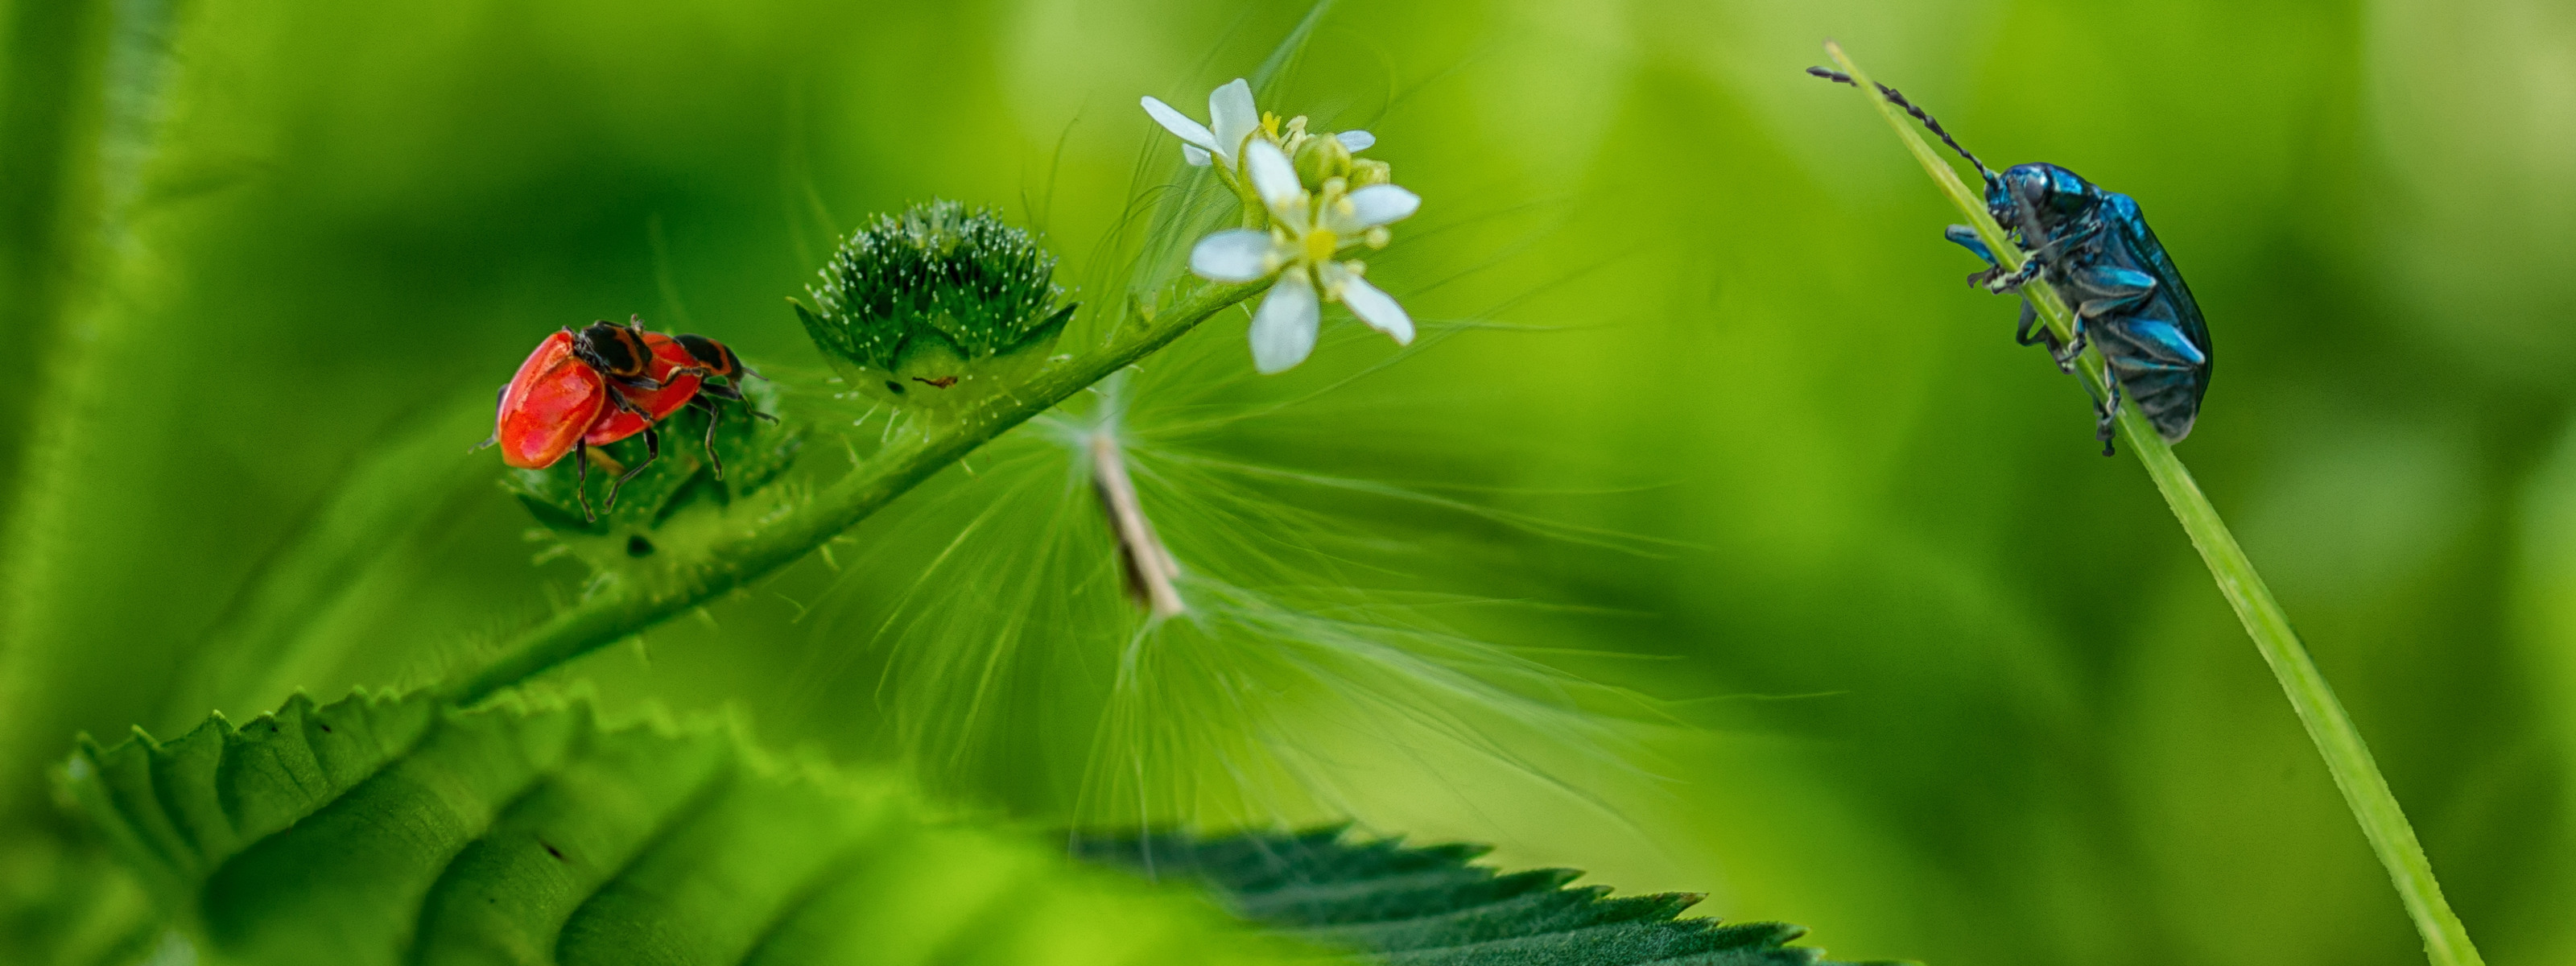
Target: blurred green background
{"x": 1961, "y": 690}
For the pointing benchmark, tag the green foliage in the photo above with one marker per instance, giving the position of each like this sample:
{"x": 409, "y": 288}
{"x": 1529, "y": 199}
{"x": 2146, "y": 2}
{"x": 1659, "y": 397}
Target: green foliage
{"x": 912, "y": 300}
{"x": 83, "y": 105}
{"x": 721, "y": 557}
{"x": 1206, "y": 718}
{"x": 1975, "y": 700}
{"x": 396, "y": 829}
{"x": 1429, "y": 906}
{"x": 385, "y": 829}
{"x": 296, "y": 616}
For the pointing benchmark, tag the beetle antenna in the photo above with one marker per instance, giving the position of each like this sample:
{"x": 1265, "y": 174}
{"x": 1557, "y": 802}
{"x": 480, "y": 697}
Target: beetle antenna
{"x": 1919, "y": 114}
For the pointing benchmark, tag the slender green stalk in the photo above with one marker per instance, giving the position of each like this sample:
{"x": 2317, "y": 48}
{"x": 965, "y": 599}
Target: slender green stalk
{"x": 2446, "y": 942}
{"x": 81, "y": 91}
{"x": 625, "y": 607}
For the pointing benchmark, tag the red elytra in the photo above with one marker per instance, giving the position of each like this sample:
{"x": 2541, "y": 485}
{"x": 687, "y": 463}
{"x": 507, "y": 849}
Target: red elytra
{"x": 553, "y": 400}
{"x": 566, "y": 399}
{"x": 674, "y": 368}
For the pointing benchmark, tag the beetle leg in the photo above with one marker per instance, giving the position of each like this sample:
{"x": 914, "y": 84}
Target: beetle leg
{"x": 734, "y": 394}
{"x": 2062, "y": 353}
{"x": 621, "y": 402}
{"x": 2108, "y": 411}
{"x": 2085, "y": 236}
{"x": 2111, "y": 289}
{"x": 2029, "y": 321}
{"x": 2104, "y": 412}
{"x": 2030, "y": 332}
{"x": 2112, "y": 304}
{"x": 2019, "y": 277}
{"x": 581, "y": 479}
{"x": 652, "y": 451}
{"x": 2154, "y": 341}
{"x": 1966, "y": 237}
{"x": 2075, "y": 347}
{"x": 714, "y": 412}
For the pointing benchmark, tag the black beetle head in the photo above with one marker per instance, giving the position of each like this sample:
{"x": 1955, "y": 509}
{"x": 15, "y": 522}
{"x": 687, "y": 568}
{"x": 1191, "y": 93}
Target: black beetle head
{"x": 2049, "y": 194}
{"x": 2053, "y": 189}
{"x": 613, "y": 349}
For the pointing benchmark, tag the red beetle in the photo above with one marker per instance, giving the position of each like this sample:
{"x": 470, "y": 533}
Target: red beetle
{"x": 673, "y": 375}
{"x": 547, "y": 409}
{"x": 715, "y": 360}
{"x": 548, "y": 405}
{"x": 573, "y": 384}
{"x": 603, "y": 384}
{"x": 680, "y": 367}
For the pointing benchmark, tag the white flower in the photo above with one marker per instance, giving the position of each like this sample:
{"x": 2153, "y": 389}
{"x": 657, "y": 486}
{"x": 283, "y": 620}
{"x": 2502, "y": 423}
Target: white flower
{"x": 1234, "y": 120}
{"x": 1306, "y": 232}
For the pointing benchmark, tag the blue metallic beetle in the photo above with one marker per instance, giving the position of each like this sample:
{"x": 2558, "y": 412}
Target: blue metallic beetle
{"x": 2095, "y": 248}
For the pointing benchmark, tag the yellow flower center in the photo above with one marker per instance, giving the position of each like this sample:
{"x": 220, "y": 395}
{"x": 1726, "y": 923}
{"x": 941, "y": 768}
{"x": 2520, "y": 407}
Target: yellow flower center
{"x": 1321, "y": 244}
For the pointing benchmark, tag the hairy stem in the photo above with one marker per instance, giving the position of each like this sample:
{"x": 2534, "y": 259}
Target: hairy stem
{"x": 2446, "y": 942}
{"x": 623, "y": 608}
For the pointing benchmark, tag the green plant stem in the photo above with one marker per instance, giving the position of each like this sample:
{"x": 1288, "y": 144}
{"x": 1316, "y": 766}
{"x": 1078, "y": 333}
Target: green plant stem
{"x": 81, "y": 87}
{"x": 623, "y": 608}
{"x": 2446, "y": 942}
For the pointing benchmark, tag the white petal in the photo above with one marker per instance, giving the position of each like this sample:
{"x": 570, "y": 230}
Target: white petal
{"x": 1376, "y": 308}
{"x": 1283, "y": 330}
{"x": 1197, "y": 156}
{"x": 1234, "y": 255}
{"x": 1179, "y": 123}
{"x": 1356, "y": 140}
{"x": 1231, "y": 112}
{"x": 1376, "y": 205}
{"x": 1273, "y": 176}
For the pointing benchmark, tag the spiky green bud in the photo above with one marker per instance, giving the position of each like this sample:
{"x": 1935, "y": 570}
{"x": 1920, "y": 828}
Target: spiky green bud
{"x": 913, "y": 305}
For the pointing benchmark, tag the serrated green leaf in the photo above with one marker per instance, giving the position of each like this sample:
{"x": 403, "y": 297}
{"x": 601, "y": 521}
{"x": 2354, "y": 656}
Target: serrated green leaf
{"x": 1428, "y": 905}
{"x": 385, "y": 829}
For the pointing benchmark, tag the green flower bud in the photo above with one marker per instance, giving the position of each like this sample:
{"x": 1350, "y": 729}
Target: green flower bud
{"x": 1322, "y": 157}
{"x": 913, "y": 307}
{"x": 1367, "y": 172}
